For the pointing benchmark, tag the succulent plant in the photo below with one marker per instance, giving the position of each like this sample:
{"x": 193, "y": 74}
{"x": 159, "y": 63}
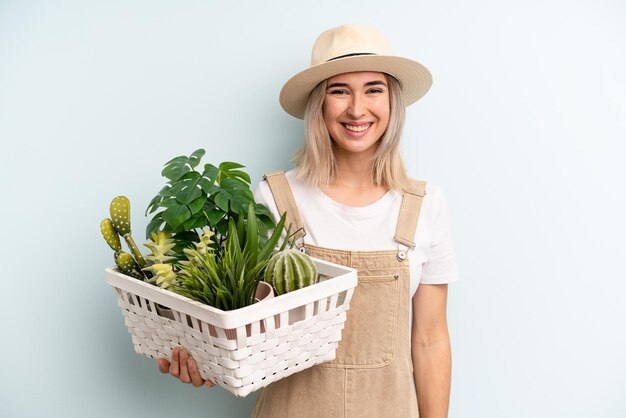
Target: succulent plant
{"x": 163, "y": 275}
{"x": 161, "y": 259}
{"x": 161, "y": 247}
{"x": 289, "y": 270}
{"x": 202, "y": 247}
{"x": 120, "y": 218}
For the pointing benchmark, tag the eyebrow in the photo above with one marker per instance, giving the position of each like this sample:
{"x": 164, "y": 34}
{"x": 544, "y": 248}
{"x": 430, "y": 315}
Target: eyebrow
{"x": 368, "y": 84}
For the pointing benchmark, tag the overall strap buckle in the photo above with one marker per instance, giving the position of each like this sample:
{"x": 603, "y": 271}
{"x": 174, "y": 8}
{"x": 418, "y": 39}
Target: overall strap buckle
{"x": 410, "y": 207}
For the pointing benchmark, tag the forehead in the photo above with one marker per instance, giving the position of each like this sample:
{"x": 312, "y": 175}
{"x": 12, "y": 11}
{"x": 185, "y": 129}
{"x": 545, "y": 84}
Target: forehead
{"x": 357, "y": 78}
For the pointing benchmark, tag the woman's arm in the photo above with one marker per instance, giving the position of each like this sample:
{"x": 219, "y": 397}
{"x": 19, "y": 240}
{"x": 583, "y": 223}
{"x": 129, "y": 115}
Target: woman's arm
{"x": 430, "y": 347}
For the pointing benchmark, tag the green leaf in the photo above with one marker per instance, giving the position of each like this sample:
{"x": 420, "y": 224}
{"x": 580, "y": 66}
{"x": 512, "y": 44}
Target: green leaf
{"x": 169, "y": 202}
{"x": 154, "y": 203}
{"x": 215, "y": 216}
{"x": 269, "y": 246}
{"x": 179, "y": 166}
{"x": 195, "y": 157}
{"x": 252, "y": 237}
{"x": 196, "y": 221}
{"x": 197, "y": 204}
{"x": 221, "y": 200}
{"x": 209, "y": 178}
{"x": 261, "y": 209}
{"x": 176, "y": 188}
{"x": 176, "y": 215}
{"x": 241, "y": 227}
{"x": 154, "y": 224}
{"x": 233, "y": 196}
{"x": 229, "y": 170}
{"x": 188, "y": 189}
{"x": 222, "y": 227}
{"x": 176, "y": 168}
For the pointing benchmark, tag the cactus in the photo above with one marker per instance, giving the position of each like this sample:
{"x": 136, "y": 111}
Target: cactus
{"x": 110, "y": 235}
{"x": 127, "y": 265}
{"x": 289, "y": 270}
{"x": 120, "y": 218}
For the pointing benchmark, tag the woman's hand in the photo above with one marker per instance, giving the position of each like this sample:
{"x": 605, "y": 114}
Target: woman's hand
{"x": 183, "y": 367}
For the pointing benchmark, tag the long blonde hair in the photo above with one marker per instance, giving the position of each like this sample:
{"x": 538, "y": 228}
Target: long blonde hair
{"x": 315, "y": 160}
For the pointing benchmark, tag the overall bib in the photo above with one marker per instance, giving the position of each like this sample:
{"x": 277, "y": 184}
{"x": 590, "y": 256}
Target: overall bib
{"x": 372, "y": 375}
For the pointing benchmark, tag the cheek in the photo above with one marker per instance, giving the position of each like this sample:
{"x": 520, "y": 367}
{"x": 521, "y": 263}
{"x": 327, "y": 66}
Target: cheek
{"x": 383, "y": 115}
{"x": 330, "y": 110}
{"x": 327, "y": 113}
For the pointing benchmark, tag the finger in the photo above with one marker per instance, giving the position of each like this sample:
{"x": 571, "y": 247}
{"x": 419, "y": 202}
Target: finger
{"x": 164, "y": 365}
{"x": 174, "y": 366}
{"x": 194, "y": 374}
{"x": 209, "y": 383}
{"x": 184, "y": 373}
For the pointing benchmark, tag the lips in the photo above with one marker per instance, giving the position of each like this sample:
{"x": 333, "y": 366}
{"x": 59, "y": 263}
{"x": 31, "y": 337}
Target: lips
{"x": 357, "y": 128}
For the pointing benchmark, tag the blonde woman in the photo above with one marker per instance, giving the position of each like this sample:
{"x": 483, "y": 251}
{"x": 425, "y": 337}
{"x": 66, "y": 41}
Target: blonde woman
{"x": 350, "y": 201}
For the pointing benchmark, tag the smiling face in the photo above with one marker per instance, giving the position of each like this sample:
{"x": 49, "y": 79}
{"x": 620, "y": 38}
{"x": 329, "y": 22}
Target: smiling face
{"x": 356, "y": 111}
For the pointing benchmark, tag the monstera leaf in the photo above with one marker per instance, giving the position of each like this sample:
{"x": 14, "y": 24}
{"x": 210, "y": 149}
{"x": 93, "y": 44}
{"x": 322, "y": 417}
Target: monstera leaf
{"x": 194, "y": 199}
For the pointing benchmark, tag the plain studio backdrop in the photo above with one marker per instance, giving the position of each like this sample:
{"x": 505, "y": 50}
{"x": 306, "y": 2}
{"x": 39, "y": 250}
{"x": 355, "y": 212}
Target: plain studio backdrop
{"x": 524, "y": 130}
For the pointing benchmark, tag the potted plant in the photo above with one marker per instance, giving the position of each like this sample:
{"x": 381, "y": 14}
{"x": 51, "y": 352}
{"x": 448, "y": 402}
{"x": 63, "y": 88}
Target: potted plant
{"x": 210, "y": 247}
{"x": 194, "y": 214}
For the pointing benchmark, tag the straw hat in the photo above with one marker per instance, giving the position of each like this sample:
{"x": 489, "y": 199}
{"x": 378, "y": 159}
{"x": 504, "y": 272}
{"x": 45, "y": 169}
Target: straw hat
{"x": 351, "y": 48}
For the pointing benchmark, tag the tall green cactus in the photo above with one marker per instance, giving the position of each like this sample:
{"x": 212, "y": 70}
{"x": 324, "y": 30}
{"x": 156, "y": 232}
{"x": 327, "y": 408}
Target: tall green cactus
{"x": 120, "y": 218}
{"x": 289, "y": 270}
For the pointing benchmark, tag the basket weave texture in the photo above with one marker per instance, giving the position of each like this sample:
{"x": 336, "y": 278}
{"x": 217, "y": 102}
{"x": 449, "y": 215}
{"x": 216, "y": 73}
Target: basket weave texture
{"x": 245, "y": 349}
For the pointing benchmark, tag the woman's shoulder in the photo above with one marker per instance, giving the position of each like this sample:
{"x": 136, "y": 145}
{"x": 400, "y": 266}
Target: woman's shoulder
{"x": 432, "y": 191}
{"x": 434, "y": 197}
{"x": 263, "y": 192}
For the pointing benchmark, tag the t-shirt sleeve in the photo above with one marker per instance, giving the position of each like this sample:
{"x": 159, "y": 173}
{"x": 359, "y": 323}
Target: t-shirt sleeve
{"x": 440, "y": 266}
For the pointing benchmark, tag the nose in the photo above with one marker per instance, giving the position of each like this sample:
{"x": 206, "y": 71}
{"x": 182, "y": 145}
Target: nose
{"x": 356, "y": 108}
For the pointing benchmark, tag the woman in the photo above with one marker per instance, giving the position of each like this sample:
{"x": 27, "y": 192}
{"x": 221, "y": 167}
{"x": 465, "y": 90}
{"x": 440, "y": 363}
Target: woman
{"x": 351, "y": 202}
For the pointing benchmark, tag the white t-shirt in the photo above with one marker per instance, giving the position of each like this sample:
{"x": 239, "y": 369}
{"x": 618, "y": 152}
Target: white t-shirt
{"x": 332, "y": 225}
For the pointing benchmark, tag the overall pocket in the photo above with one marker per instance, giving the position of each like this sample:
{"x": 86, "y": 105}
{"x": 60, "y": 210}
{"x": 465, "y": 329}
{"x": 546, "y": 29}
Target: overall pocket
{"x": 369, "y": 337}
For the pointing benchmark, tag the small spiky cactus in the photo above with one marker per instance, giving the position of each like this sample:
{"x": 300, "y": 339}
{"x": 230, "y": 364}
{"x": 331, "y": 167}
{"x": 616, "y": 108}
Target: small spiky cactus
{"x": 120, "y": 218}
{"x": 127, "y": 265}
{"x": 289, "y": 270}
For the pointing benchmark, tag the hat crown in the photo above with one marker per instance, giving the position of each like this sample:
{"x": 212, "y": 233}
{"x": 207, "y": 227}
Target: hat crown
{"x": 348, "y": 40}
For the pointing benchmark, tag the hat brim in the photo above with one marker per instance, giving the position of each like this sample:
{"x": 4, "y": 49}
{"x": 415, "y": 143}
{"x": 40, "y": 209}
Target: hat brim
{"x": 414, "y": 78}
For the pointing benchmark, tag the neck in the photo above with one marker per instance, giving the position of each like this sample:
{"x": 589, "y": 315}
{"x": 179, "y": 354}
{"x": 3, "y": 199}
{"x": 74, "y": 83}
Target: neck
{"x": 353, "y": 184}
{"x": 353, "y": 170}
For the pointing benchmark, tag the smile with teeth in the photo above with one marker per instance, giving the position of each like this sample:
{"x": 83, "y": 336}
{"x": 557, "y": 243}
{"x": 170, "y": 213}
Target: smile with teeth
{"x": 357, "y": 128}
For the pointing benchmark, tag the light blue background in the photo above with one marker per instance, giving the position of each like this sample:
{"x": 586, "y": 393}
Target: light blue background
{"x": 524, "y": 130}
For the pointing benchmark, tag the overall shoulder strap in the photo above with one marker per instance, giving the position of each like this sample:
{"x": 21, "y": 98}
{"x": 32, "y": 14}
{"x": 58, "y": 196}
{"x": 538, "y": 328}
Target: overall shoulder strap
{"x": 286, "y": 203}
{"x": 409, "y": 212}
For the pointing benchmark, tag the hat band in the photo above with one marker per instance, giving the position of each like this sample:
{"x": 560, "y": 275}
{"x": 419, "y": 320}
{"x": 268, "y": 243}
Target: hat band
{"x": 350, "y": 55}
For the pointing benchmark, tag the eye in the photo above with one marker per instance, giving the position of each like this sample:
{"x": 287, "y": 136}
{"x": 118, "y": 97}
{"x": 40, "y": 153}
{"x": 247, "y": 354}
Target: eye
{"x": 337, "y": 92}
{"x": 375, "y": 90}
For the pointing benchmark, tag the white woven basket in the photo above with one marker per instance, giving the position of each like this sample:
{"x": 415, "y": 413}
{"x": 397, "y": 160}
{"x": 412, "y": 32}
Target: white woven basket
{"x": 245, "y": 349}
